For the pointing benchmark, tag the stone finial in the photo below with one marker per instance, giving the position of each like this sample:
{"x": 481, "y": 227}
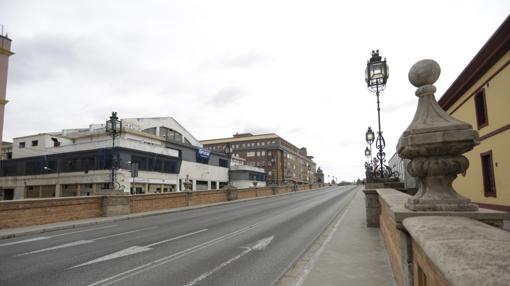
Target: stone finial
{"x": 434, "y": 142}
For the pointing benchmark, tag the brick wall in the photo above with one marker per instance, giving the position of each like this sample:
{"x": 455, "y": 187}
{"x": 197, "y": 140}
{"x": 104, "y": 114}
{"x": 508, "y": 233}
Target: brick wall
{"x": 264, "y": 192}
{"x": 153, "y": 202}
{"x": 42, "y": 211}
{"x": 246, "y": 193}
{"x": 209, "y": 197}
{"x": 392, "y": 241}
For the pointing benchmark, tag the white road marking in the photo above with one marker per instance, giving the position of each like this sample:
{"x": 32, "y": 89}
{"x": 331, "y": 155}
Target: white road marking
{"x": 56, "y": 235}
{"x": 125, "y": 252}
{"x": 25, "y": 241}
{"x": 85, "y": 230}
{"x": 158, "y": 262}
{"x": 70, "y": 244}
{"x": 174, "y": 238}
{"x": 122, "y": 233}
{"x": 134, "y": 249}
{"x": 259, "y": 245}
{"x": 81, "y": 242}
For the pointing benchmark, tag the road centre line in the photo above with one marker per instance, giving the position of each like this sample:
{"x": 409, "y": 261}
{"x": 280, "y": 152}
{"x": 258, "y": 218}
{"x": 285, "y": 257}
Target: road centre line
{"x": 52, "y": 236}
{"x": 81, "y": 242}
{"x": 158, "y": 262}
{"x": 174, "y": 238}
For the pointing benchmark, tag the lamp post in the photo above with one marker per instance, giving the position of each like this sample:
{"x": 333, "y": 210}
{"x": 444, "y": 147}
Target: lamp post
{"x": 376, "y": 76}
{"x": 114, "y": 129}
{"x": 228, "y": 151}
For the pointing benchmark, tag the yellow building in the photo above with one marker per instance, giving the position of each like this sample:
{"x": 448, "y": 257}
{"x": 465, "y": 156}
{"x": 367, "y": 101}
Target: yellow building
{"x": 481, "y": 96}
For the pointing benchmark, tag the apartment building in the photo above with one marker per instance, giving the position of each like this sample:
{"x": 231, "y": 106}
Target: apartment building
{"x": 282, "y": 161}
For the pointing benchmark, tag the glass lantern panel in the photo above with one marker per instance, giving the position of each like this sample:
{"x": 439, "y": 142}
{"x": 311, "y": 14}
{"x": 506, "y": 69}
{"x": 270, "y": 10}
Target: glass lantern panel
{"x": 376, "y": 71}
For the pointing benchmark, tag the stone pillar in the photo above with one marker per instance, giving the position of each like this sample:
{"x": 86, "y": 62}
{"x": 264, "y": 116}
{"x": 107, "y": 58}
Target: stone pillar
{"x": 435, "y": 142}
{"x": 78, "y": 190}
{"x": 372, "y": 207}
{"x": 217, "y": 185}
{"x": 114, "y": 205}
{"x": 58, "y": 190}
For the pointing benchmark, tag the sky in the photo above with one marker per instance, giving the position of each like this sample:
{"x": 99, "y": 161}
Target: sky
{"x": 295, "y": 68}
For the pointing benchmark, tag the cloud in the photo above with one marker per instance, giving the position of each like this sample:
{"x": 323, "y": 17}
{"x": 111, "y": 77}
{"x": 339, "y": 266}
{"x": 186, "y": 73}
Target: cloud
{"x": 247, "y": 60}
{"x": 227, "y": 95}
{"x": 40, "y": 57}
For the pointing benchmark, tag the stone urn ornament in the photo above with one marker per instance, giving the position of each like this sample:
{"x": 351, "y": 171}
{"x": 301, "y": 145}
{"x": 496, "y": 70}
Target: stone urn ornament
{"x": 435, "y": 142}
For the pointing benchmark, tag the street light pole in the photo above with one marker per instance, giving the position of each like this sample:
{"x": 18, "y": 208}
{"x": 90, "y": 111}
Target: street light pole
{"x": 114, "y": 129}
{"x": 376, "y": 76}
{"x": 228, "y": 151}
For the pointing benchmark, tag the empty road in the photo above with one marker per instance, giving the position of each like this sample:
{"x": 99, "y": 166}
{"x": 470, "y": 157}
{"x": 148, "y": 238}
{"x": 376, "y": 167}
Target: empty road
{"x": 246, "y": 243}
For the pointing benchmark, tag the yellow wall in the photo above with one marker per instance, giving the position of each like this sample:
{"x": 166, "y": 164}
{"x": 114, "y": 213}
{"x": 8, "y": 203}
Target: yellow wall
{"x": 497, "y": 94}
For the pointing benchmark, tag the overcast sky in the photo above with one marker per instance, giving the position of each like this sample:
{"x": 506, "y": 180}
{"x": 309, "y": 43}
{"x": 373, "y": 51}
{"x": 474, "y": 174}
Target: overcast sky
{"x": 295, "y": 68}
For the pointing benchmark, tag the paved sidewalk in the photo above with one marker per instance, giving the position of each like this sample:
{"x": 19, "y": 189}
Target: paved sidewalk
{"x": 353, "y": 254}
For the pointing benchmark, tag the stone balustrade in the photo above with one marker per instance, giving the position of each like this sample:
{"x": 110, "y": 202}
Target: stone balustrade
{"x": 441, "y": 247}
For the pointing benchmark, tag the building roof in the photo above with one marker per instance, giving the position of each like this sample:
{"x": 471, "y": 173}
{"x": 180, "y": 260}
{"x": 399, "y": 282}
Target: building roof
{"x": 495, "y": 48}
{"x": 240, "y": 138}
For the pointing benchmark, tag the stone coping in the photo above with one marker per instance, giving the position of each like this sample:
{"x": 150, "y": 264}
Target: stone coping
{"x": 395, "y": 201}
{"x": 466, "y": 251}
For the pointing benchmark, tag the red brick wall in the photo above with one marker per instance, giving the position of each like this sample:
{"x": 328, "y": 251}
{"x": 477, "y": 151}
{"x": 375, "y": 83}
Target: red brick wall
{"x": 264, "y": 192}
{"x": 246, "y": 193}
{"x": 392, "y": 242}
{"x": 152, "y": 202}
{"x": 208, "y": 197}
{"x": 41, "y": 211}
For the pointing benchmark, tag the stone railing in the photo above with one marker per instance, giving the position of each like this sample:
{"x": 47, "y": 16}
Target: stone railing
{"x": 20, "y": 213}
{"x": 442, "y": 247}
{"x": 437, "y": 236}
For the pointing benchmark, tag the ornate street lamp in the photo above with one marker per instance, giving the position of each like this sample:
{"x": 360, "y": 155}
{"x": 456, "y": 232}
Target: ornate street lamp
{"x": 114, "y": 129}
{"x": 368, "y": 154}
{"x": 376, "y": 76}
{"x": 228, "y": 150}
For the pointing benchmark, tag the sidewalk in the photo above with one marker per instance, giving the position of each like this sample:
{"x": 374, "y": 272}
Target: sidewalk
{"x": 352, "y": 254}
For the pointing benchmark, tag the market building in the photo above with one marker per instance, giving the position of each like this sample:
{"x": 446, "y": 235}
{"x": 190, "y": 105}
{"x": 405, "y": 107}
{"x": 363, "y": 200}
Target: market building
{"x": 78, "y": 162}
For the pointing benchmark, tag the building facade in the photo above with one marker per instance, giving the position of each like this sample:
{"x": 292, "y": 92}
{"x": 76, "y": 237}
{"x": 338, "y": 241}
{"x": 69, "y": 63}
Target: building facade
{"x": 282, "y": 161}
{"x": 399, "y": 165}
{"x": 79, "y": 161}
{"x": 480, "y": 97}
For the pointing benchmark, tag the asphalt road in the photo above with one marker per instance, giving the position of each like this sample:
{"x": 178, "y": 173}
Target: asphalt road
{"x": 247, "y": 243}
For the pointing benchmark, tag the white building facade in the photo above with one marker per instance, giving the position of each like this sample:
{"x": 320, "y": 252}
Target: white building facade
{"x": 78, "y": 162}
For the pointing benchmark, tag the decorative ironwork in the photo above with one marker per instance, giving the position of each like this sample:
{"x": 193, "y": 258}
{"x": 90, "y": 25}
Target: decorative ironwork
{"x": 376, "y": 76}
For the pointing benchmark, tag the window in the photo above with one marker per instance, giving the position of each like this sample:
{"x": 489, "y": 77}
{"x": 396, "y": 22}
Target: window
{"x": 35, "y": 142}
{"x": 250, "y": 154}
{"x": 223, "y": 163}
{"x": 489, "y": 183}
{"x": 481, "y": 109}
{"x": 150, "y": 130}
{"x": 21, "y": 145}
